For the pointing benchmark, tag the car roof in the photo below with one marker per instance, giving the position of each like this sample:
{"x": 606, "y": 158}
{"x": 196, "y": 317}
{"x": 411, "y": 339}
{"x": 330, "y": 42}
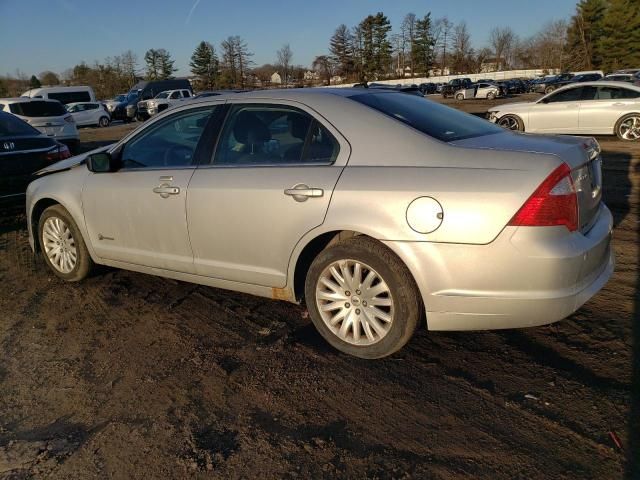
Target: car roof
{"x": 600, "y": 83}
{"x": 25, "y": 100}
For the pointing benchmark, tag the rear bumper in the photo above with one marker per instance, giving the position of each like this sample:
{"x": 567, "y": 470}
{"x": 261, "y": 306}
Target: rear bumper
{"x": 528, "y": 276}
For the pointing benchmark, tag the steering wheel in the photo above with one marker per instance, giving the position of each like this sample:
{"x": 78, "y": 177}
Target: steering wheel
{"x": 181, "y": 152}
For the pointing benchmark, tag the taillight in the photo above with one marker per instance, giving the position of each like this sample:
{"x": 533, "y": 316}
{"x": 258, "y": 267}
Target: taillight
{"x": 59, "y": 153}
{"x": 553, "y": 203}
{"x": 69, "y": 119}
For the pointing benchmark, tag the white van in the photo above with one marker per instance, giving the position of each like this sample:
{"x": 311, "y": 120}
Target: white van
{"x": 64, "y": 95}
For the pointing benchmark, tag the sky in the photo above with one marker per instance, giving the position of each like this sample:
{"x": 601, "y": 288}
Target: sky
{"x": 39, "y": 35}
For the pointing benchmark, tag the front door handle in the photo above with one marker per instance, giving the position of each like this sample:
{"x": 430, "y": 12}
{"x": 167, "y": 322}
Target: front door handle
{"x": 165, "y": 190}
{"x": 302, "y": 192}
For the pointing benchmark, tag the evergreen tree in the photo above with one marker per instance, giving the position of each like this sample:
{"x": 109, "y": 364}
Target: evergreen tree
{"x": 341, "y": 48}
{"x": 422, "y": 48}
{"x": 584, "y": 33}
{"x": 34, "y": 82}
{"x": 204, "y": 64}
{"x": 166, "y": 65}
{"x": 376, "y": 49}
{"x": 619, "y": 44}
{"x": 152, "y": 59}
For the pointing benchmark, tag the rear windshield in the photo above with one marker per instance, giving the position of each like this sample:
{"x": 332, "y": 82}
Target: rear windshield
{"x": 38, "y": 109}
{"x": 437, "y": 121}
{"x": 11, "y": 126}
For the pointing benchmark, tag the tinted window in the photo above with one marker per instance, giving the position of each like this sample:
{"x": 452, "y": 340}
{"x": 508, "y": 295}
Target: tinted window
{"x": 38, "y": 109}
{"x": 169, "y": 143}
{"x": 175, "y": 95}
{"x": 270, "y": 134}
{"x": 435, "y": 120}
{"x": 186, "y": 94}
{"x": 70, "y": 97}
{"x": 162, "y": 95}
{"x": 91, "y": 106}
{"x": 11, "y": 126}
{"x": 571, "y": 95}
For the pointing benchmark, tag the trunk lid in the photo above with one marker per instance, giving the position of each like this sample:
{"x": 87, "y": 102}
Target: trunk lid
{"x": 582, "y": 155}
{"x": 17, "y": 166}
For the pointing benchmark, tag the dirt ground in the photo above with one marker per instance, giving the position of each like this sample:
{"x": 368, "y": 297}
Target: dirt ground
{"x": 132, "y": 376}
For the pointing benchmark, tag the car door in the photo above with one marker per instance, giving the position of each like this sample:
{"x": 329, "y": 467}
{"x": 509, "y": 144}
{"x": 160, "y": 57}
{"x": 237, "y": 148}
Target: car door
{"x": 137, "y": 215}
{"x": 79, "y": 114}
{"x": 602, "y": 109}
{"x": 270, "y": 182}
{"x": 93, "y": 113}
{"x": 558, "y": 112}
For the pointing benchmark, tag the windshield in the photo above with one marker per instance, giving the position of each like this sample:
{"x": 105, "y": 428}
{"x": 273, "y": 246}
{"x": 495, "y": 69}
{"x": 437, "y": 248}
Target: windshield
{"x": 12, "y": 126}
{"x": 38, "y": 109}
{"x": 162, "y": 95}
{"x": 437, "y": 121}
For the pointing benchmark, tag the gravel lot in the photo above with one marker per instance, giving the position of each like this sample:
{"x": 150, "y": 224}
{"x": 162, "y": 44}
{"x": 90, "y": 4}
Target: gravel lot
{"x": 130, "y": 376}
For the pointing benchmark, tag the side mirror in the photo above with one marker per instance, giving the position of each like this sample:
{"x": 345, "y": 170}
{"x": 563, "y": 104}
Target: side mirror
{"x": 102, "y": 162}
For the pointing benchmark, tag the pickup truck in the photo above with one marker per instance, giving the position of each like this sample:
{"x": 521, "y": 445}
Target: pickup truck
{"x": 450, "y": 89}
{"x": 162, "y": 101}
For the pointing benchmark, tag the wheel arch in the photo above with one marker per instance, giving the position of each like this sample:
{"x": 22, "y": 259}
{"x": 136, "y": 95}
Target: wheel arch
{"x": 34, "y": 217}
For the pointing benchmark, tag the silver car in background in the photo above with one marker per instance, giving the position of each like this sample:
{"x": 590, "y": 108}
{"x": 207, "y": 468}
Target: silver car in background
{"x": 375, "y": 208}
{"x": 591, "y": 108}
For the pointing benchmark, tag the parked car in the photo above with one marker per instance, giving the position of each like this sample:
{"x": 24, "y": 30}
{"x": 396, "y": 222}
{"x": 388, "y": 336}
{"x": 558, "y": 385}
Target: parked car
{"x": 593, "y": 108}
{"x": 479, "y": 90}
{"x": 450, "y": 89}
{"x": 215, "y": 93}
{"x": 428, "y": 88}
{"x": 363, "y": 203}
{"x": 566, "y": 79}
{"x": 23, "y": 151}
{"x": 64, "y": 95}
{"x": 146, "y": 90}
{"x": 119, "y": 111}
{"x": 162, "y": 101}
{"x": 628, "y": 71}
{"x": 89, "y": 114}
{"x": 112, "y": 103}
{"x": 48, "y": 116}
{"x": 620, "y": 77}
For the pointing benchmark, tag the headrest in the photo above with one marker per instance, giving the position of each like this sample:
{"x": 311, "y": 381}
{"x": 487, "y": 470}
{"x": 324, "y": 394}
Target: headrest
{"x": 249, "y": 129}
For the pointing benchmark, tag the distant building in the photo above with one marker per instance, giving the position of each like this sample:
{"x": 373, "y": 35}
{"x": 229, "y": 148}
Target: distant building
{"x": 336, "y": 80}
{"x": 311, "y": 76}
{"x": 489, "y": 65}
{"x": 276, "y": 79}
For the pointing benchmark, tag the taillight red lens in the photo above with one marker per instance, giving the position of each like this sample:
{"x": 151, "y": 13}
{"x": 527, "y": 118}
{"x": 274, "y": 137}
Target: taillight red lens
{"x": 553, "y": 203}
{"x": 58, "y": 153}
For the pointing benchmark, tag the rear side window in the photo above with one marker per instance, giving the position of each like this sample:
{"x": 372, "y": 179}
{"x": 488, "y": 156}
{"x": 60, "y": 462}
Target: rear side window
{"x": 38, "y": 109}
{"x": 613, "y": 93}
{"x": 433, "y": 119}
{"x": 11, "y": 126}
{"x": 274, "y": 134}
{"x": 70, "y": 97}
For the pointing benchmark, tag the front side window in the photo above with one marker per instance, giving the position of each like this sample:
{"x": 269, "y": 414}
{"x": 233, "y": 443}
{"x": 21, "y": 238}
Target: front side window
{"x": 170, "y": 143}
{"x": 175, "y": 95}
{"x": 570, "y": 95}
{"x": 273, "y": 134}
{"x": 186, "y": 94}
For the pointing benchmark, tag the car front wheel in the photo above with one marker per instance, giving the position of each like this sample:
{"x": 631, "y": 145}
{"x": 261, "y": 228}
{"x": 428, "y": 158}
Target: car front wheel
{"x": 362, "y": 298}
{"x": 62, "y": 245}
{"x": 628, "y": 127}
{"x": 103, "y": 122}
{"x": 511, "y": 122}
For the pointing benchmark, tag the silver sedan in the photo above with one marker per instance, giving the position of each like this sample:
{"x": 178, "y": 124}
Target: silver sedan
{"x": 376, "y": 208}
{"x": 592, "y": 108}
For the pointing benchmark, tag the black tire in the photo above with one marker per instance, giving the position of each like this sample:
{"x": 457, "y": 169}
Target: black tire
{"x": 549, "y": 90}
{"x": 103, "y": 122}
{"x": 513, "y": 120}
{"x": 403, "y": 291}
{"x": 491, "y": 96}
{"x": 84, "y": 264}
{"x": 459, "y": 96}
{"x": 619, "y": 123}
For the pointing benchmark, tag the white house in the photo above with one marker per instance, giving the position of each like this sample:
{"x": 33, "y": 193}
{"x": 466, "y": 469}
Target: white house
{"x": 276, "y": 79}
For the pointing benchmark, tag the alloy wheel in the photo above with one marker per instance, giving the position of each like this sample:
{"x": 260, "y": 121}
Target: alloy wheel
{"x": 355, "y": 302}
{"x": 59, "y": 245}
{"x": 510, "y": 123}
{"x": 629, "y": 129}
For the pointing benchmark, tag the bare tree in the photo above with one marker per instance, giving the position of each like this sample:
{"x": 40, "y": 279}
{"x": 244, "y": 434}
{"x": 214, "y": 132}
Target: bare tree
{"x": 285, "y": 55}
{"x": 501, "y": 40}
{"x": 324, "y": 66}
{"x": 442, "y": 38}
{"x": 462, "y": 50}
{"x": 408, "y": 36}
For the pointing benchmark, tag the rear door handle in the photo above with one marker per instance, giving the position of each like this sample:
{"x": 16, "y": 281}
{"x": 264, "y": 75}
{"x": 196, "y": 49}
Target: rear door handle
{"x": 165, "y": 190}
{"x": 302, "y": 192}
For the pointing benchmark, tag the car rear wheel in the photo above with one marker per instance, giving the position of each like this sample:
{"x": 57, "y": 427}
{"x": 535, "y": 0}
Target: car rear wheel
{"x": 62, "y": 245}
{"x": 511, "y": 122}
{"x": 362, "y": 298}
{"x": 103, "y": 122}
{"x": 491, "y": 95}
{"x": 459, "y": 96}
{"x": 628, "y": 127}
{"x": 549, "y": 89}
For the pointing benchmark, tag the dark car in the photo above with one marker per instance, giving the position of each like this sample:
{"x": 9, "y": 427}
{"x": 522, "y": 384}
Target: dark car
{"x": 147, "y": 90}
{"x": 428, "y": 88}
{"x": 23, "y": 151}
{"x": 450, "y": 89}
{"x": 565, "y": 79}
